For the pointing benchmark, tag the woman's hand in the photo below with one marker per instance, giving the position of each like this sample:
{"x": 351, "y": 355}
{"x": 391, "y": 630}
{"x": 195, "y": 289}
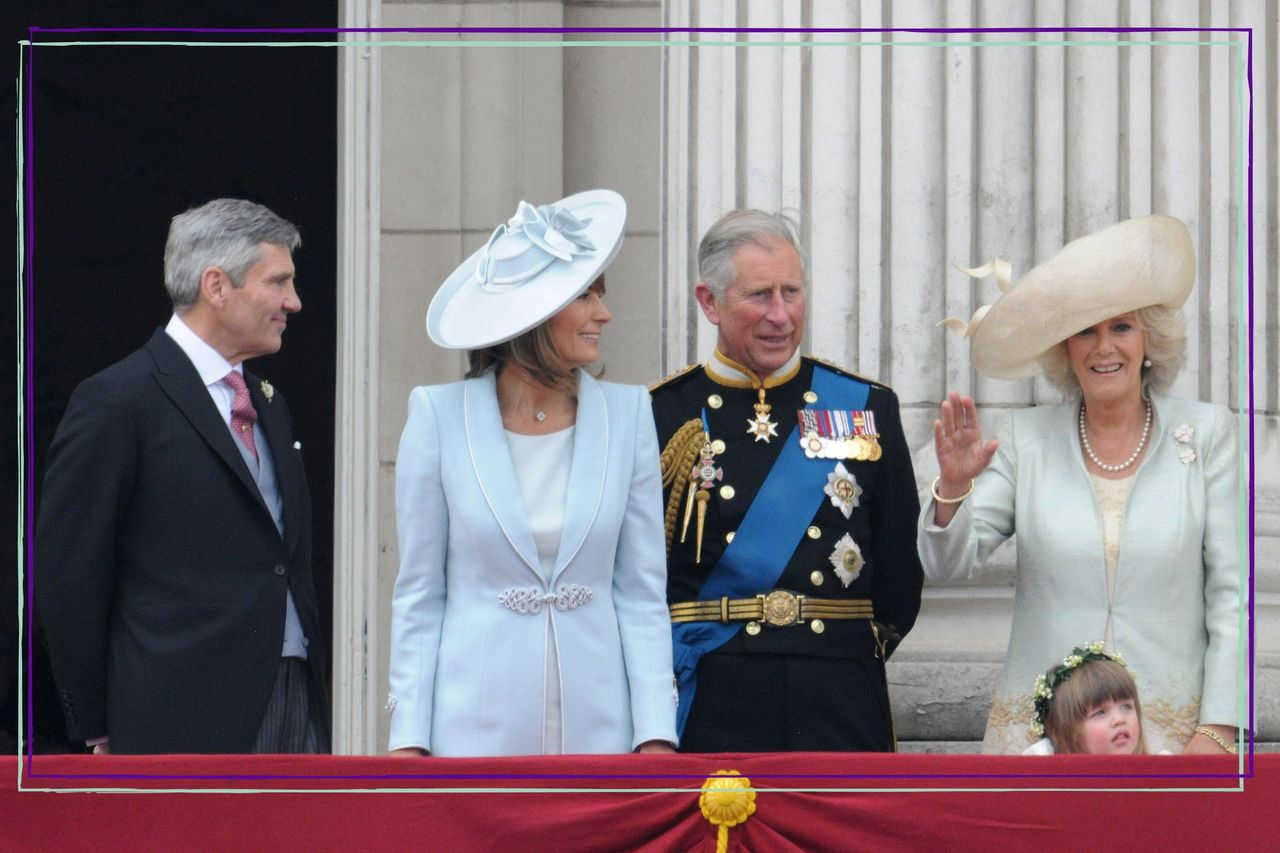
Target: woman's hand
{"x": 957, "y": 439}
{"x": 408, "y": 752}
{"x": 660, "y": 747}
{"x": 1205, "y": 745}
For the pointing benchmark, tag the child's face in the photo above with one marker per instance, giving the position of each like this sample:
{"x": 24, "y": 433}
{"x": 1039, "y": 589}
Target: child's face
{"x": 1112, "y": 728}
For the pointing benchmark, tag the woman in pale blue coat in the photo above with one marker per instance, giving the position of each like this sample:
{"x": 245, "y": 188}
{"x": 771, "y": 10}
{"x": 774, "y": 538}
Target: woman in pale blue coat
{"x": 1124, "y": 499}
{"x": 529, "y": 615}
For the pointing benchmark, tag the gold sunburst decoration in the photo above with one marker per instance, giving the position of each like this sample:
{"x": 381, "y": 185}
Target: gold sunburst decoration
{"x": 727, "y": 800}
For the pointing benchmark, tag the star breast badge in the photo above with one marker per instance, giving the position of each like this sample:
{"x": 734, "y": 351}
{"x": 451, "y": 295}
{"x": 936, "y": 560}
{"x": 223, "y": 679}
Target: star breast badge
{"x": 843, "y": 489}
{"x": 847, "y": 560}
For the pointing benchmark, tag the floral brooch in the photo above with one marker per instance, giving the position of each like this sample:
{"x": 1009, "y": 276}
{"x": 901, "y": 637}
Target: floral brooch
{"x": 1182, "y": 434}
{"x": 267, "y": 390}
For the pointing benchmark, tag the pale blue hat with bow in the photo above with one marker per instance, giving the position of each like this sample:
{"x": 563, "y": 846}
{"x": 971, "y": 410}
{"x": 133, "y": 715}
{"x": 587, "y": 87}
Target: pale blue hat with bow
{"x": 533, "y": 265}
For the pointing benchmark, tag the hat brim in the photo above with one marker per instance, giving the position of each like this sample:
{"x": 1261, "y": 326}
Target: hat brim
{"x": 465, "y": 315}
{"x": 1131, "y": 265}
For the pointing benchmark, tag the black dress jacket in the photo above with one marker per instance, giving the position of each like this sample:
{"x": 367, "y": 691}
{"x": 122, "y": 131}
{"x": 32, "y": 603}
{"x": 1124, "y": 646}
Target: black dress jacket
{"x": 160, "y": 576}
{"x": 882, "y": 524}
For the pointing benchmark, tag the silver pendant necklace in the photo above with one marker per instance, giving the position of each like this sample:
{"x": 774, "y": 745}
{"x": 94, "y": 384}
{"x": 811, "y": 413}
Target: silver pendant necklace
{"x": 1142, "y": 442}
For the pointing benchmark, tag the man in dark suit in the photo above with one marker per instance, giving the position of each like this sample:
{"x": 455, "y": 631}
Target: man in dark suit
{"x": 792, "y": 569}
{"x": 173, "y": 547}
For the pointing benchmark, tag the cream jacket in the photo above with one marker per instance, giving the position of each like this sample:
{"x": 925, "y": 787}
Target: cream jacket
{"x": 1178, "y": 604}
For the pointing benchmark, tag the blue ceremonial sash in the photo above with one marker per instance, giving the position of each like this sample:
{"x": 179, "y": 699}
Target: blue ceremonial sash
{"x": 763, "y": 544}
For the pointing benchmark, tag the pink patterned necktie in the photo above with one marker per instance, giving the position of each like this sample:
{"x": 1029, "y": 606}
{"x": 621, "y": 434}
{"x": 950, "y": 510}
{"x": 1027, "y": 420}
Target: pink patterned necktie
{"x": 243, "y": 415}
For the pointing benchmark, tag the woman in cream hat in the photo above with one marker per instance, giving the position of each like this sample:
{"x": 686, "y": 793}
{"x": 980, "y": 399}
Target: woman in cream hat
{"x": 529, "y": 615}
{"x": 1123, "y": 499}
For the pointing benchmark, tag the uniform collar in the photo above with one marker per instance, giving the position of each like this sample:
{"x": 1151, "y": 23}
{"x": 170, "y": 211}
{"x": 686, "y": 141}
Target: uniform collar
{"x": 725, "y": 371}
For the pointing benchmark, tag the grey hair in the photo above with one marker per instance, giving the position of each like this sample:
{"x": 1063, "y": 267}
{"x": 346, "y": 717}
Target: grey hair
{"x": 1166, "y": 348}
{"x": 226, "y": 233}
{"x": 731, "y": 232}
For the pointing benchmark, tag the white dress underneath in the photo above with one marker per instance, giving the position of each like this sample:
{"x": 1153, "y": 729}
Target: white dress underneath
{"x": 1112, "y": 497}
{"x": 542, "y": 464}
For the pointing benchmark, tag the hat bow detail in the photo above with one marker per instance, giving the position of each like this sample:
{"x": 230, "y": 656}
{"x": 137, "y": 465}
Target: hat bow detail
{"x": 528, "y": 243}
{"x": 1004, "y": 280}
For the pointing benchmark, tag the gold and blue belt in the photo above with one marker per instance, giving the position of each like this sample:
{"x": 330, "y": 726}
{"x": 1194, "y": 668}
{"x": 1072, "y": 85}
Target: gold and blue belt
{"x": 779, "y": 608}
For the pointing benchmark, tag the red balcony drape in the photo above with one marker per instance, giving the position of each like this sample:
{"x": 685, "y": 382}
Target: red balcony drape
{"x": 803, "y": 802}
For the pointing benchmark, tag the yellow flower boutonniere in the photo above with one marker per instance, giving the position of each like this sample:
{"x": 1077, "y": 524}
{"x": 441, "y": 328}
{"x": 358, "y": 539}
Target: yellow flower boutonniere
{"x": 267, "y": 390}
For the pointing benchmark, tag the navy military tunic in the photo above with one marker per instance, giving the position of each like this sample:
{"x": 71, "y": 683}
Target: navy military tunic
{"x": 792, "y": 687}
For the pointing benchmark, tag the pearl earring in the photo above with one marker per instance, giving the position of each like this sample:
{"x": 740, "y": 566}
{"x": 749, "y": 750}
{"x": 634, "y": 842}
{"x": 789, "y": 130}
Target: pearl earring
{"x": 1146, "y": 362}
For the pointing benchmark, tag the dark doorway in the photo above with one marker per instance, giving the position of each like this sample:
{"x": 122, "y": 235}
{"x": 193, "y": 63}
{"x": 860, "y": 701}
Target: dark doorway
{"x": 122, "y": 138}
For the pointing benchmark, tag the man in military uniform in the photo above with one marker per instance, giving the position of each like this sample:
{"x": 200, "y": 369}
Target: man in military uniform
{"x": 791, "y": 518}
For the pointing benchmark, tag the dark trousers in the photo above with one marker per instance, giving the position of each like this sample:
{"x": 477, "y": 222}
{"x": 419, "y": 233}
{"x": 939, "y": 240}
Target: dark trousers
{"x": 291, "y": 723}
{"x": 789, "y": 703}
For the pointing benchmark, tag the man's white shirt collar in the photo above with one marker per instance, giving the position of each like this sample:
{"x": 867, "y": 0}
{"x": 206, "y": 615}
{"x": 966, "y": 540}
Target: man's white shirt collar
{"x": 208, "y": 362}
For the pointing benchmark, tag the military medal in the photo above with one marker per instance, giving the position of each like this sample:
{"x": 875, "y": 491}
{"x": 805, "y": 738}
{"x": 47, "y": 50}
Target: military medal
{"x": 761, "y": 426}
{"x": 843, "y": 490}
{"x": 847, "y": 560}
{"x": 839, "y": 434}
{"x": 706, "y": 474}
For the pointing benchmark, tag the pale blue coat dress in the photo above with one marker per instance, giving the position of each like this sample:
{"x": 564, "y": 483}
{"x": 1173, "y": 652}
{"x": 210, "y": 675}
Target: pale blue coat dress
{"x": 473, "y": 613}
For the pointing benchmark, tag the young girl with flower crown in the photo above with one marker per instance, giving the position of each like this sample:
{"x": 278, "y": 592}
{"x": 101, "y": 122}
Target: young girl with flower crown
{"x": 1088, "y": 703}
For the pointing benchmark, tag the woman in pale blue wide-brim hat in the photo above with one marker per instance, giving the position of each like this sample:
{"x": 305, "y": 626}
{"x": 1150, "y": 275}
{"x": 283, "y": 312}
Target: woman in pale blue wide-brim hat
{"x": 529, "y": 615}
{"x": 1123, "y": 499}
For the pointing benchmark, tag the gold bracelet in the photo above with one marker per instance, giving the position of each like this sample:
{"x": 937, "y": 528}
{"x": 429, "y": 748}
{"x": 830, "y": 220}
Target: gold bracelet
{"x": 1216, "y": 738}
{"x": 940, "y": 499}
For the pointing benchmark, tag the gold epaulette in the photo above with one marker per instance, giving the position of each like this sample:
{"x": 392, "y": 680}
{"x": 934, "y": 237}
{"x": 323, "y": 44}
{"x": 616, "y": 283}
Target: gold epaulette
{"x": 654, "y": 386}
{"x": 844, "y": 371}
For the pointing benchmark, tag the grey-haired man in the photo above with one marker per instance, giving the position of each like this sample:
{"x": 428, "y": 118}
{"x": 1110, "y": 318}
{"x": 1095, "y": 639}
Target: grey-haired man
{"x": 792, "y": 569}
{"x": 173, "y": 549}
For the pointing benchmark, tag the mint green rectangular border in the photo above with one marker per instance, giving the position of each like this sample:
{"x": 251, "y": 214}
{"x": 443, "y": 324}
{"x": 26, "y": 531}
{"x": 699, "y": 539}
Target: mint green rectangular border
{"x": 1242, "y": 348}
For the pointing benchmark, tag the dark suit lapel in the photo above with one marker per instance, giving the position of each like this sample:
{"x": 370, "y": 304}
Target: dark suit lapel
{"x": 180, "y": 382}
{"x": 280, "y": 441}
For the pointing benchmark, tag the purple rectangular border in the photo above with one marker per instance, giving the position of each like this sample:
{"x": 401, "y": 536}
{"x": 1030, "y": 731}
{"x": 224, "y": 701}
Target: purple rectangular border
{"x": 28, "y": 335}
{"x": 639, "y": 30}
{"x": 645, "y": 776}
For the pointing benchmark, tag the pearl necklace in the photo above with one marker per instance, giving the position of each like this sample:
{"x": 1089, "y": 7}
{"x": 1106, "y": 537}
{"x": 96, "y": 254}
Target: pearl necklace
{"x": 1142, "y": 442}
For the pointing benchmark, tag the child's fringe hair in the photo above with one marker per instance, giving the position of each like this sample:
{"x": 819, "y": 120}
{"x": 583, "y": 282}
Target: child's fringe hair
{"x": 1091, "y": 683}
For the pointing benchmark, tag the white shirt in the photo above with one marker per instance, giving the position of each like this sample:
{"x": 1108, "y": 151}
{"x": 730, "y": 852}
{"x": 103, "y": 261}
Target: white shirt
{"x": 208, "y": 362}
{"x": 542, "y": 464}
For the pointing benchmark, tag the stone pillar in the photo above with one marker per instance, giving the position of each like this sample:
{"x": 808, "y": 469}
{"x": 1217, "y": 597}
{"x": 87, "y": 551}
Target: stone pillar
{"x": 356, "y": 605}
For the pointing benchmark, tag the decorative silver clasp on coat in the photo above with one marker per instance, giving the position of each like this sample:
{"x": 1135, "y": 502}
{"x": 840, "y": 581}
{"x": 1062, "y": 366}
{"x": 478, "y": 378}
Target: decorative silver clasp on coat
{"x": 530, "y": 599}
